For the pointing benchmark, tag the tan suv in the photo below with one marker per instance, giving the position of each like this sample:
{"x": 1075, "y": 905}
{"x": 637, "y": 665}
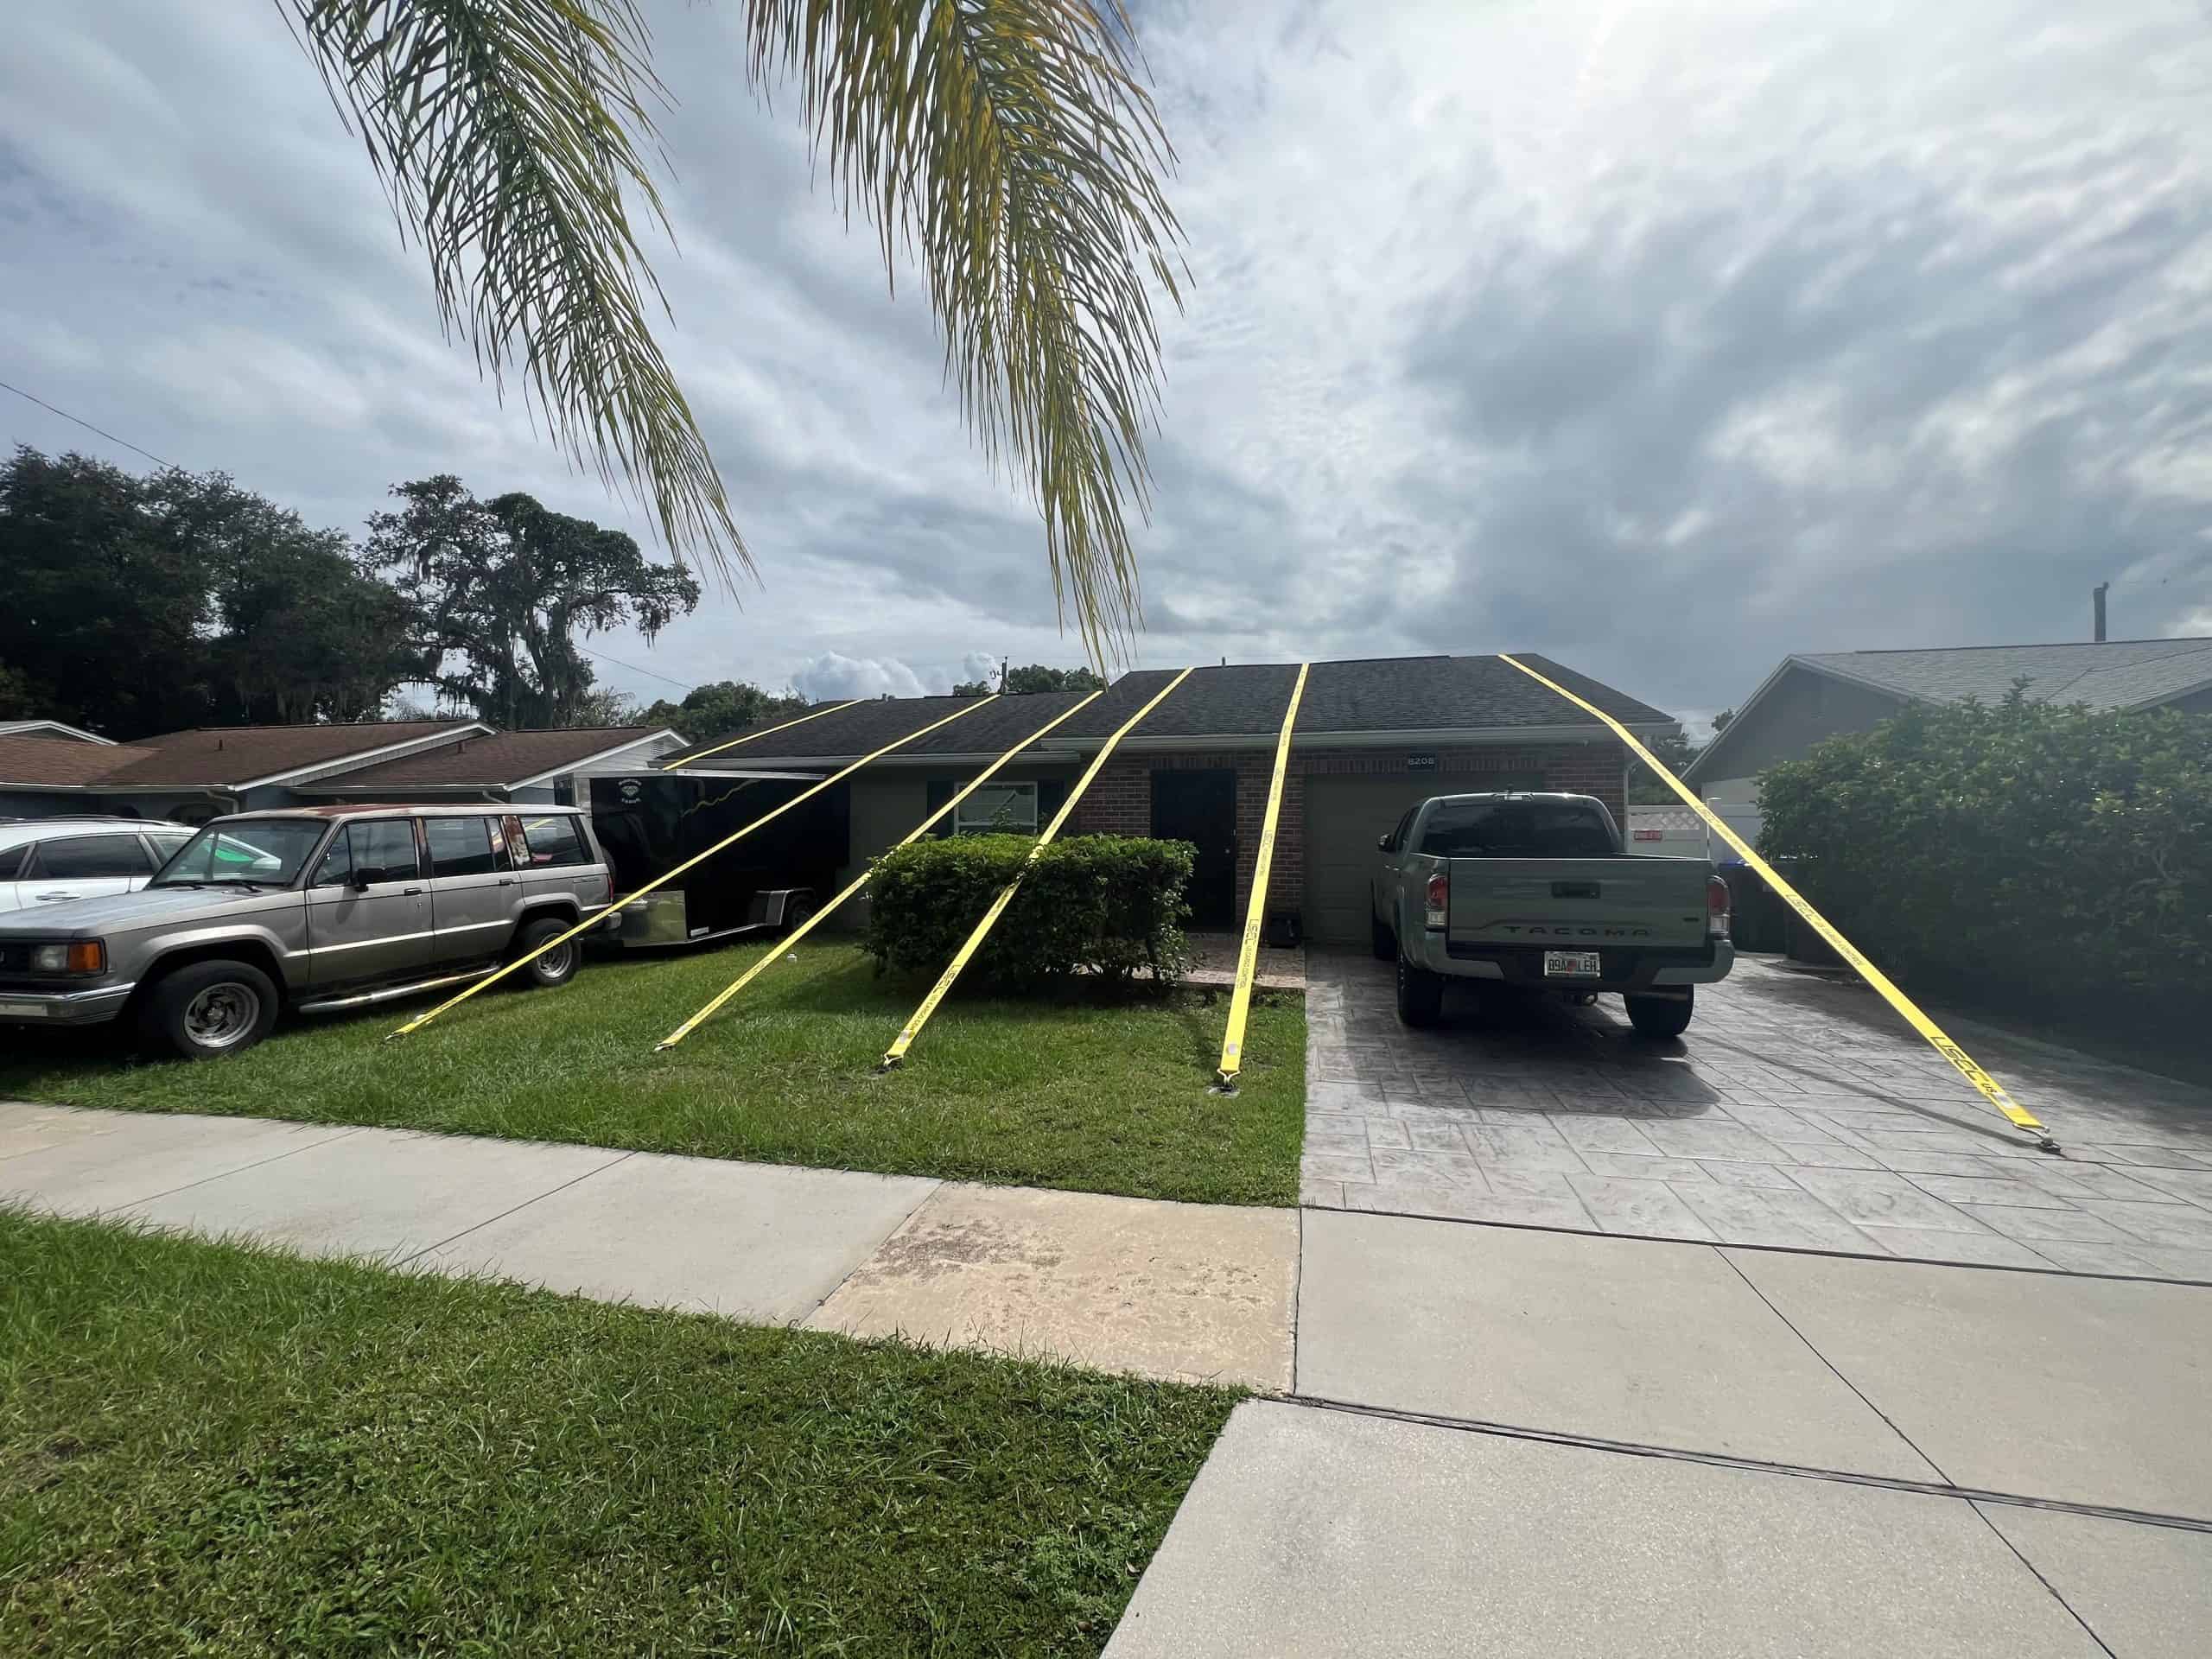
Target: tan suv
{"x": 308, "y": 909}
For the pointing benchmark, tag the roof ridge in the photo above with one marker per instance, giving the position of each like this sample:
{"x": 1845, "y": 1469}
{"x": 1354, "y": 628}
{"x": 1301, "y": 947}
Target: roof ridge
{"x": 2044, "y": 645}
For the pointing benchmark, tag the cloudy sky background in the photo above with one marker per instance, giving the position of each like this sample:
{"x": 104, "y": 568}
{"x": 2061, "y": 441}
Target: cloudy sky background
{"x": 1660, "y": 338}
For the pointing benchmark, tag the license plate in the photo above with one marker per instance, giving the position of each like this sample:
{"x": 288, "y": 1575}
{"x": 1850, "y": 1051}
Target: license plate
{"x": 1572, "y": 965}
{"x": 22, "y": 1010}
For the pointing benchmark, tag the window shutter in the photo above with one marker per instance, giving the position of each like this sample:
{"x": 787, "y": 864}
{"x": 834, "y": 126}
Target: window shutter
{"x": 1052, "y": 795}
{"x": 941, "y": 791}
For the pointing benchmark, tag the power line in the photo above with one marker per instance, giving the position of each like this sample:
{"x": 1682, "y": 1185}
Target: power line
{"x": 88, "y": 426}
{"x": 681, "y": 685}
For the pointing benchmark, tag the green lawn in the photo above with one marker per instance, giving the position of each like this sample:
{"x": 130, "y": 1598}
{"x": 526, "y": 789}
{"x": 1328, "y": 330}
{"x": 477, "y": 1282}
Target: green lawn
{"x": 1099, "y": 1097}
{"x": 208, "y": 1451}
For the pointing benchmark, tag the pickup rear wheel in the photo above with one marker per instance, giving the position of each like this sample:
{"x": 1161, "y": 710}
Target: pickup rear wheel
{"x": 1421, "y": 995}
{"x": 1661, "y": 1016}
{"x": 205, "y": 1009}
{"x": 556, "y": 966}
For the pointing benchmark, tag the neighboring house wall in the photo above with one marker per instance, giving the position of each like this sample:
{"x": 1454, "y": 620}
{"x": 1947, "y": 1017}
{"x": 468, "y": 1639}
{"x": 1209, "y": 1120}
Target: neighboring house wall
{"x": 2198, "y": 702}
{"x": 1803, "y": 707}
{"x": 574, "y": 785}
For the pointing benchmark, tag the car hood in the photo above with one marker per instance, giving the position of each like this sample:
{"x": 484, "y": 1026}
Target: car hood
{"x": 85, "y": 918}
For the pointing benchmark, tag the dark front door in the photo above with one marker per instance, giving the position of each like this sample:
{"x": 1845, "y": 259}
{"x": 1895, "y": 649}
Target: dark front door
{"x": 1200, "y": 807}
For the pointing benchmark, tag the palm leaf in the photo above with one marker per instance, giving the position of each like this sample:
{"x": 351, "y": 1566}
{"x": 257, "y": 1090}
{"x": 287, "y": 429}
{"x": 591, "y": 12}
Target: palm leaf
{"x": 1010, "y": 143}
{"x": 506, "y": 133}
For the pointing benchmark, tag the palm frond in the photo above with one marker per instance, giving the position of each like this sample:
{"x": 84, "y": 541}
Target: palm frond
{"x": 506, "y": 133}
{"x": 1011, "y": 144}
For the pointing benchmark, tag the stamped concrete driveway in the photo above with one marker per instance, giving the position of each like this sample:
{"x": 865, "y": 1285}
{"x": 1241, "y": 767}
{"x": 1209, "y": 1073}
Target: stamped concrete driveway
{"x": 1797, "y": 1112}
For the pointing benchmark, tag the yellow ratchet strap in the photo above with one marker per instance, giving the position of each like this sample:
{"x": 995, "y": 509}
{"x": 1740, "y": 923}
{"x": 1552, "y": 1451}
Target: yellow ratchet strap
{"x": 599, "y": 917}
{"x": 686, "y": 759}
{"x": 824, "y": 914}
{"x": 1990, "y": 1089}
{"x": 905, "y": 1040}
{"x": 1248, "y": 957}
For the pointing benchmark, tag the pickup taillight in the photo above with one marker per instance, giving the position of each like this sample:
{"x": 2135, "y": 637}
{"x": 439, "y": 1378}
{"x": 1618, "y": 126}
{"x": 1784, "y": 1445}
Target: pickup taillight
{"x": 1716, "y": 907}
{"x": 1440, "y": 898}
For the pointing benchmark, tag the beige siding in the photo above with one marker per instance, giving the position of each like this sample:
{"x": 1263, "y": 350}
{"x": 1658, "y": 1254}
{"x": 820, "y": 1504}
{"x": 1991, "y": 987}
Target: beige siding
{"x": 1803, "y": 707}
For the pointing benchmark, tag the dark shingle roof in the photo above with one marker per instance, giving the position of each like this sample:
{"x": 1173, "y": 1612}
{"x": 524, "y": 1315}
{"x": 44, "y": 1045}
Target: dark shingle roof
{"x": 237, "y": 755}
{"x": 491, "y": 762}
{"x": 1383, "y": 694}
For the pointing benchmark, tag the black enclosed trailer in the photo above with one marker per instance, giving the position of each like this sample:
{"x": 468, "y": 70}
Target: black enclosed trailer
{"x": 649, "y": 823}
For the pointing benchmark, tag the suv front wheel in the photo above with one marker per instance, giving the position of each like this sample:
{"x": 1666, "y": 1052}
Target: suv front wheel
{"x": 558, "y": 965}
{"x": 205, "y": 1009}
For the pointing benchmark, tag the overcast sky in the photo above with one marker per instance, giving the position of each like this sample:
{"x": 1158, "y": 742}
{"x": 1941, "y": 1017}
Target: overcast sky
{"x": 1663, "y": 339}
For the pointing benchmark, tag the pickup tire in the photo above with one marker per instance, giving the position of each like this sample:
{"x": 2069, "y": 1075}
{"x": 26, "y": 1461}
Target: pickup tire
{"x": 557, "y": 966}
{"x": 1661, "y": 1016}
{"x": 1421, "y": 995}
{"x": 1383, "y": 942}
{"x": 207, "y": 1009}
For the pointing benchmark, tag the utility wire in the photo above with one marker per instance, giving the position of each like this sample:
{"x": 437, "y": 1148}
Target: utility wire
{"x": 89, "y": 426}
{"x": 681, "y": 685}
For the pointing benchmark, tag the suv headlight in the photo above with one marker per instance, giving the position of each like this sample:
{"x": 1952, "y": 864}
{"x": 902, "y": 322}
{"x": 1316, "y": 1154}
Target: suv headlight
{"x": 77, "y": 957}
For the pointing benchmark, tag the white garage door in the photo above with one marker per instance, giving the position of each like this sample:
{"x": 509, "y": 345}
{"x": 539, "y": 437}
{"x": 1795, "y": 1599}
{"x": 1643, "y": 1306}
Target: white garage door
{"x": 1342, "y": 817}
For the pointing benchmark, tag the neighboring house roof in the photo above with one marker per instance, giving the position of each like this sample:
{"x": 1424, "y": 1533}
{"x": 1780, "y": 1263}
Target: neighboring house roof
{"x": 2105, "y": 675}
{"x": 43, "y": 761}
{"x": 503, "y": 760}
{"x": 50, "y": 729}
{"x": 1408, "y": 698}
{"x": 2116, "y": 674}
{"x": 237, "y": 756}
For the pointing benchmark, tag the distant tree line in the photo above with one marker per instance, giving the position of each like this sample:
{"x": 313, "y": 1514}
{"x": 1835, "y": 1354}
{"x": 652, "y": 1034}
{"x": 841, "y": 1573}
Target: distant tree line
{"x": 138, "y": 605}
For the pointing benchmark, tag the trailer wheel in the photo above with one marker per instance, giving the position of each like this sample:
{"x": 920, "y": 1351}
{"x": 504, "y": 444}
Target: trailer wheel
{"x": 799, "y": 910}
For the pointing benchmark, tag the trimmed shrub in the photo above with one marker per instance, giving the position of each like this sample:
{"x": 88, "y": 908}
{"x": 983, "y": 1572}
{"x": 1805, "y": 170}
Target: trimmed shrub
{"x": 2049, "y": 858}
{"x": 1100, "y": 904}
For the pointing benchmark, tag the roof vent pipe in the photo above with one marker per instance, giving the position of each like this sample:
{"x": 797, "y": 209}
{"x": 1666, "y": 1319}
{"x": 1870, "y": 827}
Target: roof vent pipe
{"x": 2097, "y": 604}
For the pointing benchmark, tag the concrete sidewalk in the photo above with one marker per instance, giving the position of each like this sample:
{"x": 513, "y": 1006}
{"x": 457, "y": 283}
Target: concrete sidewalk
{"x": 1193, "y": 1292}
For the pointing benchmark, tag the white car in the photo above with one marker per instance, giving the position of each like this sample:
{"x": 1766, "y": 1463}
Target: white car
{"x": 51, "y": 860}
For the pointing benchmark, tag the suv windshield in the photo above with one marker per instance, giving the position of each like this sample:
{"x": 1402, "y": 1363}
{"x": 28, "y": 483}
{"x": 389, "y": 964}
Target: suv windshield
{"x": 1516, "y": 829}
{"x": 247, "y": 852}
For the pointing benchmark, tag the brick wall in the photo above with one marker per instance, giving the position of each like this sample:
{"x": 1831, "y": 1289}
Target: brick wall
{"x": 1119, "y": 802}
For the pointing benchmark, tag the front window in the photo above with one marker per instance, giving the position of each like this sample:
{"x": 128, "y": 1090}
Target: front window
{"x": 244, "y": 852}
{"x": 998, "y": 808}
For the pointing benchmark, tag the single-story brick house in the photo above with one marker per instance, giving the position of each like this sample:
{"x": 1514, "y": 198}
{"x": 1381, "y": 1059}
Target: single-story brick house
{"x": 1373, "y": 737}
{"x": 194, "y": 775}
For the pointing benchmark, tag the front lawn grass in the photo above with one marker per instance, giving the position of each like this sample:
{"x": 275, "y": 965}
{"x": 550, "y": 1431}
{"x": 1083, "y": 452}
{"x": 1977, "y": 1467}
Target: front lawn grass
{"x": 1100, "y": 1095}
{"x": 209, "y": 1450}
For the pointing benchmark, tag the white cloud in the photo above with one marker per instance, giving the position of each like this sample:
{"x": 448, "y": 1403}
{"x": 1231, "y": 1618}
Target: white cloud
{"x": 1663, "y": 340}
{"x": 831, "y": 676}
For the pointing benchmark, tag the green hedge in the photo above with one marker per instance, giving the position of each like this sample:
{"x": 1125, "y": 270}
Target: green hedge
{"x": 1103, "y": 905}
{"x": 2044, "y": 856}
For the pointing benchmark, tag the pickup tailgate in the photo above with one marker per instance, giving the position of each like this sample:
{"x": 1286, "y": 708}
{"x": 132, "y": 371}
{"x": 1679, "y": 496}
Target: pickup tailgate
{"x": 1577, "y": 903}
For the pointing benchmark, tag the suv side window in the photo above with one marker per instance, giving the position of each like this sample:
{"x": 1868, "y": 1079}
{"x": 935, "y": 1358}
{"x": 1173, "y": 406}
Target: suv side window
{"x": 82, "y": 858}
{"x": 385, "y": 844}
{"x": 459, "y": 846}
{"x": 337, "y": 866}
{"x": 553, "y": 840}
